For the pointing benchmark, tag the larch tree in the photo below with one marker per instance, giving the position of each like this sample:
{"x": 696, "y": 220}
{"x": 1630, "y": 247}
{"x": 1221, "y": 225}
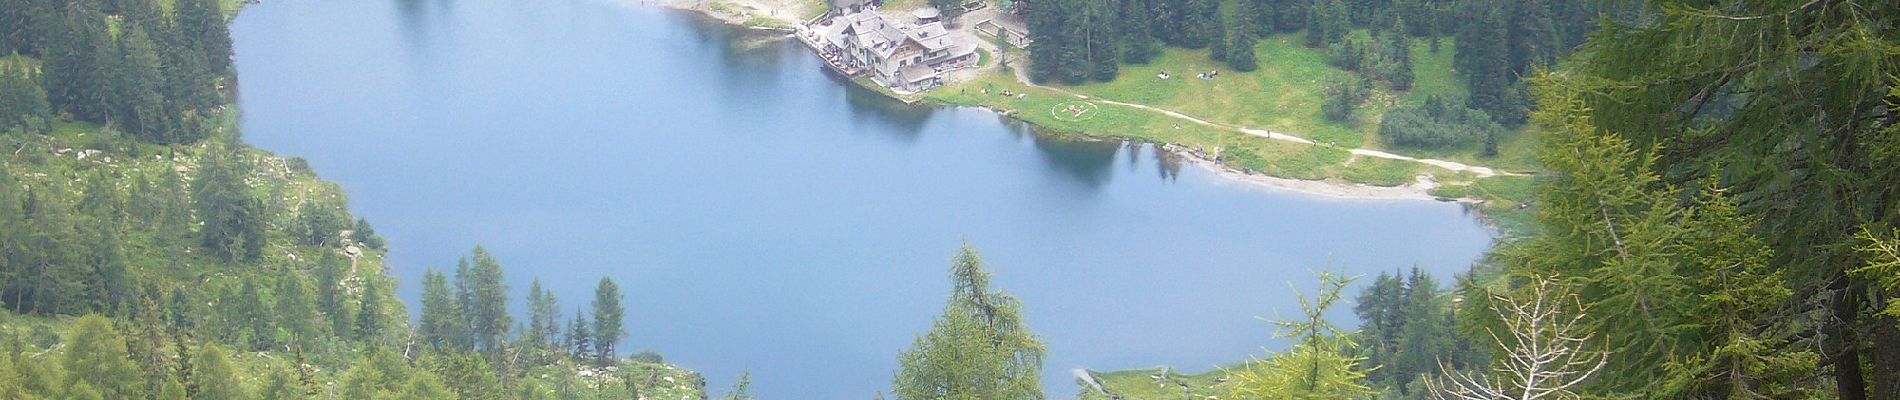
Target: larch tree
{"x": 979, "y": 348}
{"x": 609, "y": 320}
{"x": 96, "y": 356}
{"x": 214, "y": 378}
{"x": 1317, "y": 367}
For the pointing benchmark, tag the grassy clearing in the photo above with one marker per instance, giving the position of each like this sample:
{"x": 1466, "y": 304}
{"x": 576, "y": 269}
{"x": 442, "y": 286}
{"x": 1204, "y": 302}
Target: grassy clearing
{"x": 1041, "y": 107}
{"x": 1142, "y": 384}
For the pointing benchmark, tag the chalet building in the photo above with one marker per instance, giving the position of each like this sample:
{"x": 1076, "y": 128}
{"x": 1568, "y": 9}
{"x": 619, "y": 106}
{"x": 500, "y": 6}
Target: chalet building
{"x": 903, "y": 56}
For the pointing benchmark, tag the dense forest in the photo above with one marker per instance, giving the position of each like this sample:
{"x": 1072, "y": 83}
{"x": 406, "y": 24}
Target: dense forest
{"x": 1719, "y": 217}
{"x": 146, "y": 252}
{"x": 1497, "y": 43}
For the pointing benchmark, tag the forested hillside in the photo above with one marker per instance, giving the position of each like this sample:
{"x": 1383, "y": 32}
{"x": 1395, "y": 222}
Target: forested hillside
{"x": 147, "y": 252}
{"x": 1717, "y": 213}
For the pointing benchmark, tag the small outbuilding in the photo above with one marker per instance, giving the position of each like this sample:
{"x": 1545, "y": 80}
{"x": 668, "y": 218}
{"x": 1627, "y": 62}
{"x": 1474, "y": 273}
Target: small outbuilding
{"x": 927, "y": 15}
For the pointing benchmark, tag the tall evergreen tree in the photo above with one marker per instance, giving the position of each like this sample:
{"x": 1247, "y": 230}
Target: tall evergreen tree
{"x": 980, "y": 348}
{"x": 202, "y": 25}
{"x": 1139, "y": 44}
{"x": 233, "y": 228}
{"x": 330, "y": 294}
{"x": 486, "y": 305}
{"x": 369, "y": 314}
{"x": 580, "y": 335}
{"x": 442, "y": 325}
{"x": 23, "y": 103}
{"x": 1317, "y": 366}
{"x": 213, "y": 376}
{"x": 95, "y": 355}
{"x": 1241, "y": 37}
{"x": 544, "y": 317}
{"x": 609, "y": 320}
{"x": 77, "y": 55}
{"x": 295, "y": 311}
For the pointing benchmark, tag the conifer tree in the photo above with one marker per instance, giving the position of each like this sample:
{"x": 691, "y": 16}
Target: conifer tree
{"x": 442, "y": 325}
{"x": 609, "y": 320}
{"x": 544, "y": 317}
{"x": 1241, "y": 38}
{"x": 95, "y": 356}
{"x": 23, "y": 103}
{"x": 979, "y": 348}
{"x": 1137, "y": 35}
{"x": 330, "y": 295}
{"x": 1317, "y": 366}
{"x": 203, "y": 28}
{"x": 486, "y": 303}
{"x": 213, "y": 378}
{"x": 295, "y": 311}
{"x": 580, "y": 335}
{"x": 369, "y": 316}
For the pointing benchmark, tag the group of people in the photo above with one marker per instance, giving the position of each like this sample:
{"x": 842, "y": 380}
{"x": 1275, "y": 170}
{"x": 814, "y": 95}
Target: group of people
{"x": 1008, "y": 93}
{"x": 1204, "y": 75}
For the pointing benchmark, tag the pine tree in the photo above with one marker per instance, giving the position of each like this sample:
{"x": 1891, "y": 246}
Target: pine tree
{"x": 23, "y": 103}
{"x": 77, "y": 55}
{"x": 980, "y": 348}
{"x": 95, "y": 355}
{"x": 1426, "y": 339}
{"x": 486, "y": 303}
{"x": 609, "y": 320}
{"x": 1242, "y": 39}
{"x": 213, "y": 378}
{"x": 1199, "y": 22}
{"x": 369, "y": 317}
{"x": 203, "y": 27}
{"x": 252, "y": 317}
{"x": 1317, "y": 366}
{"x": 580, "y": 335}
{"x": 296, "y": 312}
{"x": 138, "y": 105}
{"x": 232, "y": 229}
{"x": 544, "y": 317}
{"x": 441, "y": 325}
{"x": 1138, "y": 40}
{"x": 330, "y": 295}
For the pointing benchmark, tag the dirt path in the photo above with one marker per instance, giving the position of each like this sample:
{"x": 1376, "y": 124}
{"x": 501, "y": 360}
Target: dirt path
{"x": 1479, "y": 171}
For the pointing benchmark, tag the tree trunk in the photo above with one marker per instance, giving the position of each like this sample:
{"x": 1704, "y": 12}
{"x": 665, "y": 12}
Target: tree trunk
{"x": 1840, "y": 333}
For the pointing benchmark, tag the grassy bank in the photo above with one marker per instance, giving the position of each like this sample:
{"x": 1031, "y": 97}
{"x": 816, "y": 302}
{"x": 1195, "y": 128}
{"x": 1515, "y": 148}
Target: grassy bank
{"x": 1156, "y": 384}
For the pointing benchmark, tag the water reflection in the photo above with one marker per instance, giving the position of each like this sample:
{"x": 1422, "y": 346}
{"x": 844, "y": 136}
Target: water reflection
{"x": 1085, "y": 160}
{"x": 904, "y": 122}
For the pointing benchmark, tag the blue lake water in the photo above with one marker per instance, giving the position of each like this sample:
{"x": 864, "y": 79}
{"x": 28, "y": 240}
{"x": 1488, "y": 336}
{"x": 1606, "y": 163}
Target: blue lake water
{"x": 761, "y": 216}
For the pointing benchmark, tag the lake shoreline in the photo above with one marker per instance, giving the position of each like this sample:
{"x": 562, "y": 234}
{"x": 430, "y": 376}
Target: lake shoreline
{"x": 1418, "y": 190}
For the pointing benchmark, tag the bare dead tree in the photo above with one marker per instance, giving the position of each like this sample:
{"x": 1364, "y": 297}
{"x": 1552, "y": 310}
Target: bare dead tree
{"x": 1544, "y": 349}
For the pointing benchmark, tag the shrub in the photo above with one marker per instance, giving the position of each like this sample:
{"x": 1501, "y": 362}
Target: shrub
{"x": 1436, "y": 124}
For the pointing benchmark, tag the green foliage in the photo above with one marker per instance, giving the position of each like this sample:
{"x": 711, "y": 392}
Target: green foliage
{"x": 1436, "y": 124}
{"x": 23, "y": 105}
{"x": 1343, "y": 98}
{"x": 544, "y": 318}
{"x": 365, "y": 235}
{"x": 442, "y": 325}
{"x": 295, "y": 311}
{"x": 980, "y": 348}
{"x": 741, "y": 389}
{"x": 485, "y": 302}
{"x": 466, "y": 374}
{"x": 95, "y": 357}
{"x": 214, "y": 378}
{"x": 233, "y": 222}
{"x": 1317, "y": 366}
{"x": 609, "y": 320}
{"x": 320, "y": 225}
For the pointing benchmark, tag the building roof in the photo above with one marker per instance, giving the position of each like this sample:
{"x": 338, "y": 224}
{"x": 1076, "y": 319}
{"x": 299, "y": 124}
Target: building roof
{"x": 927, "y": 13}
